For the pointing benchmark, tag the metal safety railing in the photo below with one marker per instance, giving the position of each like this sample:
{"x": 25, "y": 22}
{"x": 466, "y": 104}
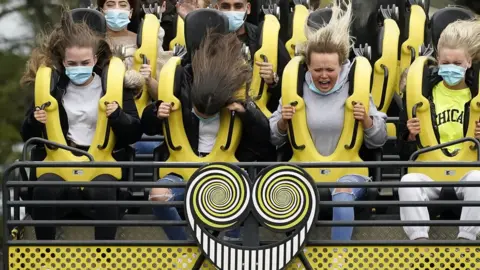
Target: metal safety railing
{"x": 251, "y": 228}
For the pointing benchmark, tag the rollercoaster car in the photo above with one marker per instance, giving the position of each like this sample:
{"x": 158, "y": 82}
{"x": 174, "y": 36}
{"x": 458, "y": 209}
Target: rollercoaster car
{"x": 270, "y": 241}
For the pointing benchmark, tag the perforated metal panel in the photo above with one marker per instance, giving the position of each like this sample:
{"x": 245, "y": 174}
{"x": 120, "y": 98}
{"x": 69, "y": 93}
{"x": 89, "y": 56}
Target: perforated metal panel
{"x": 394, "y": 258}
{"x": 121, "y": 258}
{"x": 321, "y": 258}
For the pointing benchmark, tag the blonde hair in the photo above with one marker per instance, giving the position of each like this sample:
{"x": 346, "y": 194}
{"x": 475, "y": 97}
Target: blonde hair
{"x": 332, "y": 37}
{"x": 462, "y": 35}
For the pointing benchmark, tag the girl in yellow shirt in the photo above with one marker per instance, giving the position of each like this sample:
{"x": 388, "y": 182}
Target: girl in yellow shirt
{"x": 453, "y": 88}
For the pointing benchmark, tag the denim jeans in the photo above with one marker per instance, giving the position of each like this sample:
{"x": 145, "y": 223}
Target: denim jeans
{"x": 145, "y": 147}
{"x": 171, "y": 213}
{"x": 346, "y": 213}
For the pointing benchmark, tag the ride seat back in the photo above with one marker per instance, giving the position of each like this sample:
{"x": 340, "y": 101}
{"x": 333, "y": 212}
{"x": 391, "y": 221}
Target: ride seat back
{"x": 445, "y": 16}
{"x": 93, "y": 18}
{"x": 199, "y": 22}
{"x": 364, "y": 23}
{"x": 319, "y": 17}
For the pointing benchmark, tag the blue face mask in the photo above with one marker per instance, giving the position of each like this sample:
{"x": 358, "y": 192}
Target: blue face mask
{"x": 79, "y": 74}
{"x": 207, "y": 120}
{"x": 452, "y": 74}
{"x": 235, "y": 19}
{"x": 117, "y": 19}
{"x": 311, "y": 85}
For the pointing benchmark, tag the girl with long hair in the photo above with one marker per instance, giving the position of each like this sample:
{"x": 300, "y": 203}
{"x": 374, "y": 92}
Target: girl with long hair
{"x": 79, "y": 56}
{"x": 219, "y": 72}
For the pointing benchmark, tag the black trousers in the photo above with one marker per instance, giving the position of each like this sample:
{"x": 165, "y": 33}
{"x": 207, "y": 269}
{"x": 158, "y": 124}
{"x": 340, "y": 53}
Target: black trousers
{"x": 68, "y": 193}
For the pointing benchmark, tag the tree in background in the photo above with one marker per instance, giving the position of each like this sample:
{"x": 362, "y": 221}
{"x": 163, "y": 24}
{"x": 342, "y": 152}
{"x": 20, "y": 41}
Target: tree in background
{"x": 35, "y": 15}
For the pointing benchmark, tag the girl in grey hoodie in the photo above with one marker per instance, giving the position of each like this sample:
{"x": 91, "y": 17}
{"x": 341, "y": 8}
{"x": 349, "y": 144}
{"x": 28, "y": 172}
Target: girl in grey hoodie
{"x": 325, "y": 91}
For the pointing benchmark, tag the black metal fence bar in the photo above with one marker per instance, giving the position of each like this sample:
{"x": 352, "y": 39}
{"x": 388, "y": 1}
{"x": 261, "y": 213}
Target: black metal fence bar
{"x": 181, "y": 203}
{"x": 7, "y": 203}
{"x": 148, "y": 223}
{"x": 150, "y": 164}
{"x": 383, "y": 184}
{"x": 320, "y": 243}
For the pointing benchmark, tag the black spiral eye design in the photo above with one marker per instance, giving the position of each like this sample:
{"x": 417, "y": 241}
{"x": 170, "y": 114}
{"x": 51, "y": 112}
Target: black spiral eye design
{"x": 219, "y": 195}
{"x": 284, "y": 197}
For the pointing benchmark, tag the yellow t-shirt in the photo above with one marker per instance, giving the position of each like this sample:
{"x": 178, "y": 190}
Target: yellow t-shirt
{"x": 450, "y": 113}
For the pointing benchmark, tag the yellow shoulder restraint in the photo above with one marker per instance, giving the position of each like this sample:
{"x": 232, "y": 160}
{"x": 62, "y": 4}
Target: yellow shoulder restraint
{"x": 148, "y": 50}
{"x": 267, "y": 53}
{"x": 180, "y": 34}
{"x": 351, "y": 138}
{"x": 418, "y": 106}
{"x": 385, "y": 69}
{"x": 226, "y": 143}
{"x": 300, "y": 16}
{"x": 104, "y": 140}
{"x": 416, "y": 35}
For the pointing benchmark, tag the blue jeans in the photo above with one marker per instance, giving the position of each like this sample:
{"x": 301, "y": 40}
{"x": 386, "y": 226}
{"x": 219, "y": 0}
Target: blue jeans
{"x": 171, "y": 213}
{"x": 346, "y": 213}
{"x": 145, "y": 147}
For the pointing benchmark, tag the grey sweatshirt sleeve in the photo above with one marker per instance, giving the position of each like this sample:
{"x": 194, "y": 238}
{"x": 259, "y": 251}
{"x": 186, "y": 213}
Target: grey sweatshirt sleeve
{"x": 376, "y": 136}
{"x": 276, "y": 137}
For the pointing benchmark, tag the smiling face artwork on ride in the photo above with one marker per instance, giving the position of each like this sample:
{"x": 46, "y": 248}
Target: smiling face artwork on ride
{"x": 220, "y": 196}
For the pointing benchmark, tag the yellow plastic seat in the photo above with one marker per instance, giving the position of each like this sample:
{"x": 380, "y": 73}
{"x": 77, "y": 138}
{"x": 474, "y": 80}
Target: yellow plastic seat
{"x": 417, "y": 105}
{"x": 351, "y": 138}
{"x": 180, "y": 33}
{"x": 147, "y": 43}
{"x": 228, "y": 136}
{"x": 268, "y": 52}
{"x": 385, "y": 70}
{"x": 103, "y": 141}
{"x": 415, "y": 39}
{"x": 300, "y": 16}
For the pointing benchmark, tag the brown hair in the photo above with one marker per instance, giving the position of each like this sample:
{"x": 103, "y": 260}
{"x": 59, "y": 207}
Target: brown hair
{"x": 333, "y": 37}
{"x": 66, "y": 34}
{"x": 132, "y": 3}
{"x": 220, "y": 71}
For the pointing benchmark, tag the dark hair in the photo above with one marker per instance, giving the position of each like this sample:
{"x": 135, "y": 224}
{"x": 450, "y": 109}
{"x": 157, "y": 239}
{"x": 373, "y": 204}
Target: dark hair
{"x": 66, "y": 34}
{"x": 220, "y": 73}
{"x": 133, "y": 3}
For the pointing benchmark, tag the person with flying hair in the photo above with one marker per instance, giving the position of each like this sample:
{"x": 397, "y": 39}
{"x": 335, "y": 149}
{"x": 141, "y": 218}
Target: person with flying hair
{"x": 78, "y": 56}
{"x": 453, "y": 83}
{"x": 118, "y": 14}
{"x": 220, "y": 73}
{"x": 325, "y": 91}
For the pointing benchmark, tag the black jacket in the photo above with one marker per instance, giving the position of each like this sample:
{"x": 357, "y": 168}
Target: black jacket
{"x": 254, "y": 144}
{"x": 253, "y": 39}
{"x": 407, "y": 148}
{"x": 125, "y": 121}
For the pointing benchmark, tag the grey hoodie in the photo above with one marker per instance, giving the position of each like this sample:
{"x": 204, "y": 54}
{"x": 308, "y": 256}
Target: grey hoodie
{"x": 325, "y": 116}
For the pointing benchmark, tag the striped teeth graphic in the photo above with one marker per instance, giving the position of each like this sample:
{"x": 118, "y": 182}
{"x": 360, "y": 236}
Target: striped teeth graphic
{"x": 283, "y": 199}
